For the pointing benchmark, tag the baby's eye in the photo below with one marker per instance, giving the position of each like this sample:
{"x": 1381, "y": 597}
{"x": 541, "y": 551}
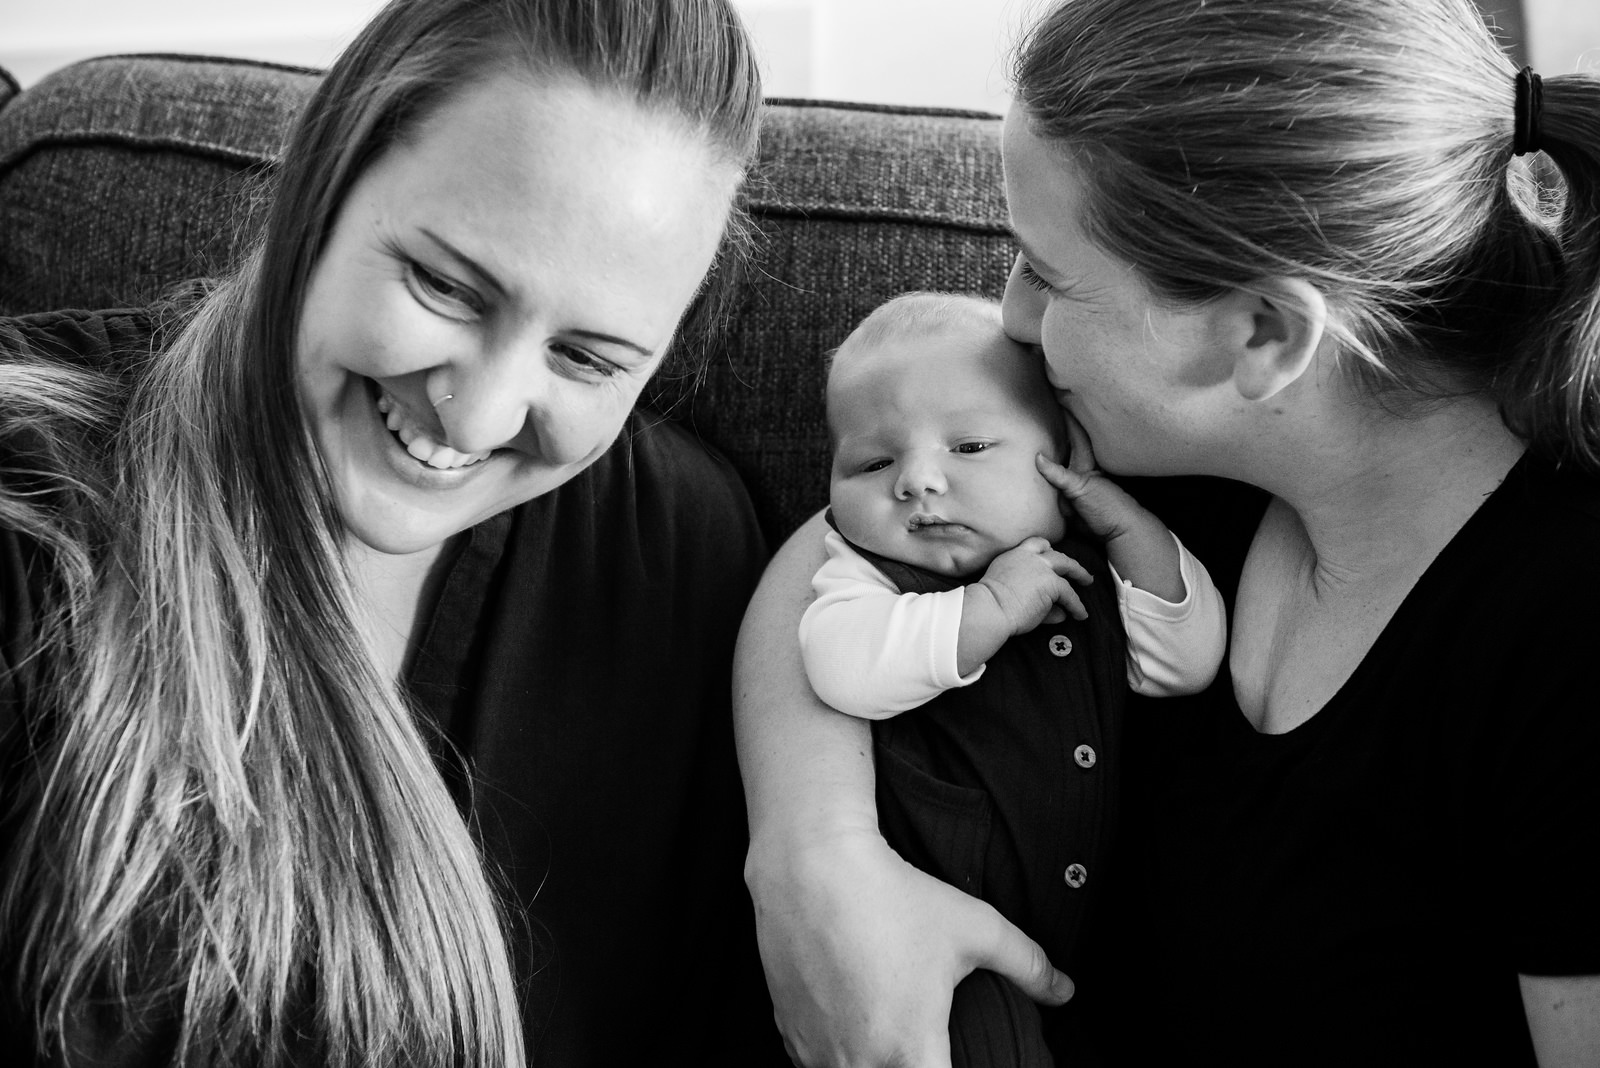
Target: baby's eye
{"x": 970, "y": 447}
{"x": 874, "y": 465}
{"x": 1030, "y": 277}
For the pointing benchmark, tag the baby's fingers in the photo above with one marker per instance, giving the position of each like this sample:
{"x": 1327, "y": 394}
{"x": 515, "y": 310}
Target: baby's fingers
{"x": 1081, "y": 459}
{"x": 1064, "y": 479}
{"x": 1070, "y": 602}
{"x": 1068, "y": 568}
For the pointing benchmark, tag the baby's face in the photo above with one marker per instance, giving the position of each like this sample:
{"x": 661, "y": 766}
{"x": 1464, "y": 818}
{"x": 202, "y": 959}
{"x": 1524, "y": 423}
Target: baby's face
{"x": 934, "y": 445}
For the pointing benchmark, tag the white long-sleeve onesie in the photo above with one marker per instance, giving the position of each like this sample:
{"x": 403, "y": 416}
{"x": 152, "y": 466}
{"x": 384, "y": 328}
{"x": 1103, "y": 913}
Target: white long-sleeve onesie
{"x": 874, "y": 652}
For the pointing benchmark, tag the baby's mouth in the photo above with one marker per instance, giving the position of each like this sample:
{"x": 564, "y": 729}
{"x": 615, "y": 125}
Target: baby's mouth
{"x": 921, "y": 521}
{"x": 419, "y": 440}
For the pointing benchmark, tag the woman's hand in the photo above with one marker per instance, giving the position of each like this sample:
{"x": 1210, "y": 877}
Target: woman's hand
{"x": 862, "y": 951}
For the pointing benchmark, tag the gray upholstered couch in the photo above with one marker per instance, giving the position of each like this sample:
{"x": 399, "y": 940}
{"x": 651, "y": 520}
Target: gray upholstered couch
{"x": 121, "y": 175}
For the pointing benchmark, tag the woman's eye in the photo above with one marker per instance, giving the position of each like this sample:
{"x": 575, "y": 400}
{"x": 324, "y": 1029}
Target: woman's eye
{"x": 969, "y": 447}
{"x": 1030, "y": 277}
{"x": 586, "y": 362}
{"x": 439, "y": 288}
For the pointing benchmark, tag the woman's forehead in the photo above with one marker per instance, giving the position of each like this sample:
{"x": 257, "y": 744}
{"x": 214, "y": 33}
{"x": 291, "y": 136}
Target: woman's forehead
{"x": 531, "y": 180}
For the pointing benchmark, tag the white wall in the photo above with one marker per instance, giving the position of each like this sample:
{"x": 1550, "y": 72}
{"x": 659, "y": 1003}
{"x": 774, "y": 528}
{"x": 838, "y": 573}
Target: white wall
{"x": 1563, "y": 35}
{"x": 942, "y": 52}
{"x": 36, "y": 36}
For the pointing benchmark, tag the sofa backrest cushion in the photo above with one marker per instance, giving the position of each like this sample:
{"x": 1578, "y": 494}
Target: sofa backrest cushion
{"x": 122, "y": 175}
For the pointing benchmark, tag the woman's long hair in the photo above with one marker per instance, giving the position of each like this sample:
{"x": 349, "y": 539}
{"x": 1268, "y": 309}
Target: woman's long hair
{"x": 1365, "y": 146}
{"x": 228, "y": 817}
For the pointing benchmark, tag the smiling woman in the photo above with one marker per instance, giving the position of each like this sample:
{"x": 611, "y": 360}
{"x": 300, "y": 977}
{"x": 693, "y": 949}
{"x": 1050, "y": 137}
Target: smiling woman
{"x": 327, "y": 734}
{"x": 536, "y": 286}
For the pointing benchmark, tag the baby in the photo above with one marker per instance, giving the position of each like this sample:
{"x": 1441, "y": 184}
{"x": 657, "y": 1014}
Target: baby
{"x": 950, "y": 539}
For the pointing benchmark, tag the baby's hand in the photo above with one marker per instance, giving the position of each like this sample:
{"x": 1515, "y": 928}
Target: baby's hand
{"x": 1029, "y": 584}
{"x": 1105, "y": 507}
{"x": 1139, "y": 546}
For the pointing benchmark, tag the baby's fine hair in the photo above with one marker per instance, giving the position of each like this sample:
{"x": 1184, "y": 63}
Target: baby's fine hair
{"x": 923, "y": 313}
{"x": 919, "y": 313}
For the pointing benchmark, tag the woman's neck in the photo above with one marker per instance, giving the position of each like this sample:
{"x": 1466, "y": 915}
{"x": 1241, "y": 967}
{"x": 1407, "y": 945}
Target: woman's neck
{"x": 1376, "y": 492}
{"x": 393, "y": 591}
{"x": 1365, "y": 503}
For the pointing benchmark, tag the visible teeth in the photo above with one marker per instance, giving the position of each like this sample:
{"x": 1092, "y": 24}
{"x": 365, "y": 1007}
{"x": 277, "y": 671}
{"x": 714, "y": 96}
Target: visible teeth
{"x": 419, "y": 441}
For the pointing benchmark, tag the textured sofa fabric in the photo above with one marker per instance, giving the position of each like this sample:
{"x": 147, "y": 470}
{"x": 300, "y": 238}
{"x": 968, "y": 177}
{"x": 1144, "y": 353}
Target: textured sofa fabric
{"x": 122, "y": 175}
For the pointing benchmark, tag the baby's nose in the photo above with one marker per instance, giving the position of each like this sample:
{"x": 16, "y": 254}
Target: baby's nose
{"x": 919, "y": 478}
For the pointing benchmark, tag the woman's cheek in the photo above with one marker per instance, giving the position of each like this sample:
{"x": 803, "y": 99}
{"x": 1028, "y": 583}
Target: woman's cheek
{"x": 579, "y": 421}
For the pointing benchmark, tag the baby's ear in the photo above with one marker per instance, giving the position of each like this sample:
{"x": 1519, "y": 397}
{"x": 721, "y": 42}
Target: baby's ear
{"x": 1272, "y": 331}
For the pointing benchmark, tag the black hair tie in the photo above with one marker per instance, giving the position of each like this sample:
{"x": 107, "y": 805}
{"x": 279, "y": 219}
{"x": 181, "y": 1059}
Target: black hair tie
{"x": 1530, "y": 106}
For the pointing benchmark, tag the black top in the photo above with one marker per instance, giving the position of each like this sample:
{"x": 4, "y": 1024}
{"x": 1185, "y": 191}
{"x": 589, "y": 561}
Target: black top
{"x": 1006, "y": 788}
{"x": 1365, "y": 888}
{"x": 579, "y": 656}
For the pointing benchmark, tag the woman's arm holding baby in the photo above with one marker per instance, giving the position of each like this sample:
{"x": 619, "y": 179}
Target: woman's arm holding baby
{"x": 861, "y": 950}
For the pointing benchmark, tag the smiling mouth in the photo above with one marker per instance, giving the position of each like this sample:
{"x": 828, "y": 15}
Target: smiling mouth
{"x": 418, "y": 440}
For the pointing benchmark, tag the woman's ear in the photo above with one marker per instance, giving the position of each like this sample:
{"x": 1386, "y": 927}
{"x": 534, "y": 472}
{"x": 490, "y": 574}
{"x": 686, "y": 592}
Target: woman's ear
{"x": 1274, "y": 330}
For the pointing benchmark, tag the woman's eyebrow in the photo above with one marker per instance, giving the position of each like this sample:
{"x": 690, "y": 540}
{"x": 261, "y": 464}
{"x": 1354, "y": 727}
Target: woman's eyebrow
{"x": 488, "y": 276}
{"x": 612, "y": 339}
{"x": 465, "y": 260}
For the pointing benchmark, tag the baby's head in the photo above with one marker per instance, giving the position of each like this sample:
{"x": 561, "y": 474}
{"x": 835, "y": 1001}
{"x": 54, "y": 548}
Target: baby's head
{"x": 935, "y": 417}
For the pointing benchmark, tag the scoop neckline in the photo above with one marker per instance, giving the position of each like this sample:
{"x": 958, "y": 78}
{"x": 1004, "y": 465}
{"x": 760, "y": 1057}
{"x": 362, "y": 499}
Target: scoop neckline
{"x": 1398, "y": 623}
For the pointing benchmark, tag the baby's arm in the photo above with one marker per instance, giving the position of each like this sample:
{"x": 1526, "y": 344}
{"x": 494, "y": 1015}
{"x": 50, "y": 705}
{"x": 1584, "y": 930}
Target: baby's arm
{"x": 872, "y": 651}
{"x": 1174, "y": 648}
{"x": 1176, "y": 624}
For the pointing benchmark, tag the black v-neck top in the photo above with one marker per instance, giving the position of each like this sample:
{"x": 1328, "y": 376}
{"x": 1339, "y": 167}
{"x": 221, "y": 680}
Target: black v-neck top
{"x": 1364, "y": 888}
{"x": 578, "y": 657}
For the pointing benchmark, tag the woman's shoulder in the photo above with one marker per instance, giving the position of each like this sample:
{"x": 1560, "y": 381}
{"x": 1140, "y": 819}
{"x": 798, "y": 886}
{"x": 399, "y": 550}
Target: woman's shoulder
{"x": 1519, "y": 582}
{"x": 675, "y": 451}
{"x": 678, "y": 477}
{"x": 94, "y": 340}
{"x": 1548, "y": 515}
{"x": 24, "y": 572}
{"x": 661, "y": 494}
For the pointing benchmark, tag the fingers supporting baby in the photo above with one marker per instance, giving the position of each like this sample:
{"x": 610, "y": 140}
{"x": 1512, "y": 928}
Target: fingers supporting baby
{"x": 862, "y": 951}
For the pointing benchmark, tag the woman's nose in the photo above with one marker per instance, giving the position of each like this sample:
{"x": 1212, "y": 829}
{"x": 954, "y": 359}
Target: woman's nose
{"x": 919, "y": 476}
{"x": 1022, "y": 307}
{"x": 492, "y": 397}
